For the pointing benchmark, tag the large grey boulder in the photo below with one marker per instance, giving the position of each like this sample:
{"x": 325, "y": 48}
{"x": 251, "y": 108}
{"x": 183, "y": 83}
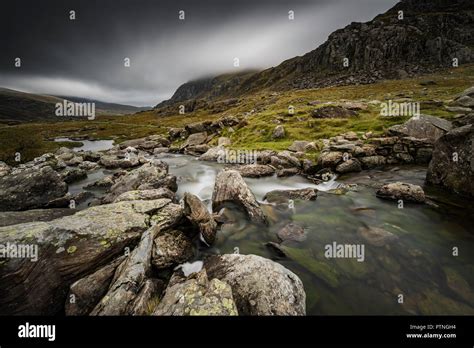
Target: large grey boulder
{"x": 231, "y": 189}
{"x": 422, "y": 127}
{"x": 255, "y": 170}
{"x": 403, "y": 191}
{"x": 148, "y": 176}
{"x": 197, "y": 295}
{"x": 452, "y": 164}
{"x": 72, "y": 247}
{"x": 259, "y": 286}
{"x": 30, "y": 188}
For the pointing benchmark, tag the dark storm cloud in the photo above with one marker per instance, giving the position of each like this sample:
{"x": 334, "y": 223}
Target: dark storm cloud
{"x": 85, "y": 57}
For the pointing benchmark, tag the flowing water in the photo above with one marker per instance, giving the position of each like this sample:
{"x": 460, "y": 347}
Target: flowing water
{"x": 427, "y": 268}
{"x": 412, "y": 273}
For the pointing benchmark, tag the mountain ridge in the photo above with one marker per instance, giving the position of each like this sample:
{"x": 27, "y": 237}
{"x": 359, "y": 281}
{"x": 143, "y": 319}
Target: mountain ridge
{"x": 430, "y": 35}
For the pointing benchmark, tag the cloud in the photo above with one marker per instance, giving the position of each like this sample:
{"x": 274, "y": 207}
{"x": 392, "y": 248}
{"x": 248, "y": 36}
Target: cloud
{"x": 85, "y": 58}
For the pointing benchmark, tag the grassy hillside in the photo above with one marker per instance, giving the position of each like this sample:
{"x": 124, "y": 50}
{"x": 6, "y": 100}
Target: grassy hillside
{"x": 262, "y": 110}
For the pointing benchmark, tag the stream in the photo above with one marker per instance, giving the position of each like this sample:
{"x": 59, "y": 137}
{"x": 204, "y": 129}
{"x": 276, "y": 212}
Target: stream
{"x": 416, "y": 272}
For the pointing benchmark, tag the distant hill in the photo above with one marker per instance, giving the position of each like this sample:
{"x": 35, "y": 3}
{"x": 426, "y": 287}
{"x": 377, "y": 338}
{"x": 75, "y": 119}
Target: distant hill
{"x": 428, "y": 37}
{"x": 103, "y": 108}
{"x": 17, "y": 107}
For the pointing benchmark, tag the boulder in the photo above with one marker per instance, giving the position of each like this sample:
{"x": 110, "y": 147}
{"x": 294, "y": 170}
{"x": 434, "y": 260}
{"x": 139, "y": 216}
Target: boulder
{"x": 330, "y": 159}
{"x": 72, "y": 247}
{"x": 8, "y": 218}
{"x": 30, "y": 188}
{"x": 85, "y": 293}
{"x": 146, "y": 195}
{"x": 422, "y": 127}
{"x": 114, "y": 162}
{"x": 452, "y": 163}
{"x": 4, "y": 169}
{"x": 278, "y": 132}
{"x": 148, "y": 176}
{"x": 333, "y": 111}
{"x": 129, "y": 279}
{"x": 298, "y": 146}
{"x": 197, "y": 213}
{"x": 214, "y": 154}
{"x": 195, "y": 139}
{"x": 70, "y": 175}
{"x": 349, "y": 166}
{"x": 259, "y": 286}
{"x": 196, "y": 295}
{"x": 403, "y": 191}
{"x": 231, "y": 189}
{"x": 171, "y": 248}
{"x": 284, "y": 172}
{"x": 255, "y": 170}
{"x": 371, "y": 162}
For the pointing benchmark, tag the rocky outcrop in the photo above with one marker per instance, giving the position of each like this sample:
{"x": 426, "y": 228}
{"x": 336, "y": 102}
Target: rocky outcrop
{"x": 452, "y": 165}
{"x": 333, "y": 111}
{"x": 146, "y": 195}
{"x": 30, "y": 188}
{"x": 231, "y": 189}
{"x": 129, "y": 279}
{"x": 403, "y": 191}
{"x": 199, "y": 216}
{"x": 196, "y": 295}
{"x": 259, "y": 286}
{"x": 85, "y": 293}
{"x": 72, "y": 247}
{"x": 422, "y": 127}
{"x": 148, "y": 176}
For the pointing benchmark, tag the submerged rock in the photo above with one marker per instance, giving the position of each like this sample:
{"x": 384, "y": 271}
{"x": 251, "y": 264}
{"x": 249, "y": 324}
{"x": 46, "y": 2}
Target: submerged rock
{"x": 259, "y": 286}
{"x": 376, "y": 236}
{"x": 196, "y": 295}
{"x": 403, "y": 191}
{"x": 292, "y": 232}
{"x": 231, "y": 189}
{"x": 283, "y": 196}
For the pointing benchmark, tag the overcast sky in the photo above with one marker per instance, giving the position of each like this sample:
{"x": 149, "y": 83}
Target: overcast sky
{"x": 85, "y": 57}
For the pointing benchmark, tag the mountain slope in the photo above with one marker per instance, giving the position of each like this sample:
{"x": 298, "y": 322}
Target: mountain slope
{"x": 430, "y": 35}
{"x": 16, "y": 106}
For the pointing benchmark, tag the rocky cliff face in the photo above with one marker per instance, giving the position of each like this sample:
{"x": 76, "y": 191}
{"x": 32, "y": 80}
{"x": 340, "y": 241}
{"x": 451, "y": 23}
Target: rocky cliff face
{"x": 431, "y": 34}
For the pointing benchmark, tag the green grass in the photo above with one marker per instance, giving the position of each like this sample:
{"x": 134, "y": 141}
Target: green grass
{"x": 34, "y": 139}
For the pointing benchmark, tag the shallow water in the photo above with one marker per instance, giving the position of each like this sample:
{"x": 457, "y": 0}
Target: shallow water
{"x": 89, "y": 145}
{"x": 417, "y": 263}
